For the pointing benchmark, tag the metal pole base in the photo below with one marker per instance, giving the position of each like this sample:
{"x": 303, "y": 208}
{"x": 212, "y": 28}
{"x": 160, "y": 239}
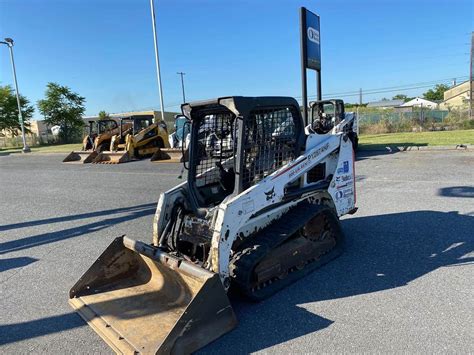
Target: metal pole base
{"x": 26, "y": 149}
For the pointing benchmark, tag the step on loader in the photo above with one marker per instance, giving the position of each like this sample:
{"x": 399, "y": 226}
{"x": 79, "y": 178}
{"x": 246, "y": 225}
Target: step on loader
{"x": 259, "y": 210}
{"x": 142, "y": 139}
{"x": 97, "y": 140}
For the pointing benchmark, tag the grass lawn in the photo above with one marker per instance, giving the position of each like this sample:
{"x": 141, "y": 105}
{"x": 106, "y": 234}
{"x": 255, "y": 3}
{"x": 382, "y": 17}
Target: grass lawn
{"x": 446, "y": 138}
{"x": 60, "y": 148}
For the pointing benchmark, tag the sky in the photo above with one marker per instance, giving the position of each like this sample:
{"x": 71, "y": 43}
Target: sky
{"x": 103, "y": 49}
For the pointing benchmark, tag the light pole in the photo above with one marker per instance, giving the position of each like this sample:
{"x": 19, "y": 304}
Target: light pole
{"x": 182, "y": 85}
{"x": 9, "y": 43}
{"x": 157, "y": 59}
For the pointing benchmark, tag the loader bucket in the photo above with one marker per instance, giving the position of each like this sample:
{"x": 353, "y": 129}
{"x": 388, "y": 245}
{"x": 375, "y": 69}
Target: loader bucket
{"x": 168, "y": 155}
{"x": 140, "y": 299}
{"x": 80, "y": 157}
{"x": 111, "y": 158}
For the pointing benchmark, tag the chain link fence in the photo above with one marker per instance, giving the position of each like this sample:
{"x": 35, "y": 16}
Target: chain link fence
{"x": 32, "y": 140}
{"x": 377, "y": 121}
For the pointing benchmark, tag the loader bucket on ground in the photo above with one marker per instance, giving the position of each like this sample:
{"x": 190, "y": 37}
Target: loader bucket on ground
{"x": 80, "y": 157}
{"x": 140, "y": 299}
{"x": 168, "y": 155}
{"x": 111, "y": 158}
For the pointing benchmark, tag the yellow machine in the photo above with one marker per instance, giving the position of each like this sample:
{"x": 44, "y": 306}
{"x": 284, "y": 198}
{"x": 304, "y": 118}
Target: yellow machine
{"x": 178, "y": 152}
{"x": 97, "y": 140}
{"x": 138, "y": 137}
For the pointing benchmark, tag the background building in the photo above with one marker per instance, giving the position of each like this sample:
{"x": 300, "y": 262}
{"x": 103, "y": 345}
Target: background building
{"x": 457, "y": 97}
{"x": 420, "y": 102}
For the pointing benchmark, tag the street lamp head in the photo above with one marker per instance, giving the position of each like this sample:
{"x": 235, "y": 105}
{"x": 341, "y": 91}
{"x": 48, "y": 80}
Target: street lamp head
{"x": 9, "y": 40}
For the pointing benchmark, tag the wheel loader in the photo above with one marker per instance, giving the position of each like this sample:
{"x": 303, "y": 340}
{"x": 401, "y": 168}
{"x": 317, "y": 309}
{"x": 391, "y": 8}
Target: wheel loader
{"x": 138, "y": 137}
{"x": 259, "y": 210}
{"x": 97, "y": 140}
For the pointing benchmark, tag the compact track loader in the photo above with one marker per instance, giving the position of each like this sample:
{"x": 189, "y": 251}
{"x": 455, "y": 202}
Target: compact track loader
{"x": 177, "y": 151}
{"x": 139, "y": 137}
{"x": 259, "y": 210}
{"x": 97, "y": 140}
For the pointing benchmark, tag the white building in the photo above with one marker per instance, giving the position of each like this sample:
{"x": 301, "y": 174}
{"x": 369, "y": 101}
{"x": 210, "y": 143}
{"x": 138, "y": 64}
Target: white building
{"x": 419, "y": 102}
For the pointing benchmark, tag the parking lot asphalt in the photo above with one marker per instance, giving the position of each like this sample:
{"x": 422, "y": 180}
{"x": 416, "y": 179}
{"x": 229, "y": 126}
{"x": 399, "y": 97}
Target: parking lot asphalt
{"x": 404, "y": 283}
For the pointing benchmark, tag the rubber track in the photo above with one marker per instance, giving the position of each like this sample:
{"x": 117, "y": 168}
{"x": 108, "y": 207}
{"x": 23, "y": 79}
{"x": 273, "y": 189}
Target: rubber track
{"x": 253, "y": 250}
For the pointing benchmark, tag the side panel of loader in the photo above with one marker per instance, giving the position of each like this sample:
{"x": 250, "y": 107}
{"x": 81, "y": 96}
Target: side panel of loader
{"x": 140, "y": 299}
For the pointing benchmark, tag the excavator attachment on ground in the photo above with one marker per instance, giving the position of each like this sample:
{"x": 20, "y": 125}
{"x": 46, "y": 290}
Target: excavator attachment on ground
{"x": 81, "y": 157}
{"x": 168, "y": 155}
{"x": 111, "y": 158}
{"x": 140, "y": 299}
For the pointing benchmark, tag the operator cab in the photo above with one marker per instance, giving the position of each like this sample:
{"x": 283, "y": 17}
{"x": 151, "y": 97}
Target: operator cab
{"x": 238, "y": 141}
{"x": 96, "y": 128}
{"x": 106, "y": 126}
{"x": 325, "y": 115}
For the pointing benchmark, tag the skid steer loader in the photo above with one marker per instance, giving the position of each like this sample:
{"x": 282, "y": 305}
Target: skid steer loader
{"x": 259, "y": 210}
{"x": 138, "y": 137}
{"x": 96, "y": 141}
{"x": 177, "y": 151}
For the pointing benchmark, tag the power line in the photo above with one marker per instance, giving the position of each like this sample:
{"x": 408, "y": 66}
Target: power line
{"x": 381, "y": 90}
{"x": 399, "y": 87}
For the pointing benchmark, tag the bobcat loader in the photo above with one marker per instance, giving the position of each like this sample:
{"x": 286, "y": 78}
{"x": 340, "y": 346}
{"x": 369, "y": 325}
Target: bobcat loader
{"x": 138, "y": 137}
{"x": 97, "y": 140}
{"x": 259, "y": 210}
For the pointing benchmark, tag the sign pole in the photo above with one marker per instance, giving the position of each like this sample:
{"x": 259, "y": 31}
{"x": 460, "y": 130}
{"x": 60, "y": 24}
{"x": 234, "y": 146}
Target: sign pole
{"x": 310, "y": 54}
{"x": 320, "y": 89}
{"x": 157, "y": 60}
{"x": 320, "y": 93}
{"x": 304, "y": 86}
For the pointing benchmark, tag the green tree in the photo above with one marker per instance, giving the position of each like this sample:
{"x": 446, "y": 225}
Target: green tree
{"x": 9, "y": 120}
{"x": 63, "y": 107}
{"x": 437, "y": 93}
{"x": 103, "y": 115}
{"x": 405, "y": 98}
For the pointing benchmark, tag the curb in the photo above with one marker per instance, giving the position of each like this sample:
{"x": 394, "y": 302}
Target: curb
{"x": 20, "y": 154}
{"x": 394, "y": 148}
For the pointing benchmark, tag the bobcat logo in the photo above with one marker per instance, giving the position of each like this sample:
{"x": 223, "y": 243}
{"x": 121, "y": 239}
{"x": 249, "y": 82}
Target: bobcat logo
{"x": 270, "y": 194}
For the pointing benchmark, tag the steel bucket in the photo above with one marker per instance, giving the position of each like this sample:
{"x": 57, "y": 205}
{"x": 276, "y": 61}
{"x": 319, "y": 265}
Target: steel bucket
{"x": 140, "y": 299}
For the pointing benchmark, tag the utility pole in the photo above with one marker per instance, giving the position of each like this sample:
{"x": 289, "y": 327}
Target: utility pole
{"x": 157, "y": 59}
{"x": 182, "y": 85}
{"x": 9, "y": 43}
{"x": 360, "y": 97}
{"x": 471, "y": 113}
